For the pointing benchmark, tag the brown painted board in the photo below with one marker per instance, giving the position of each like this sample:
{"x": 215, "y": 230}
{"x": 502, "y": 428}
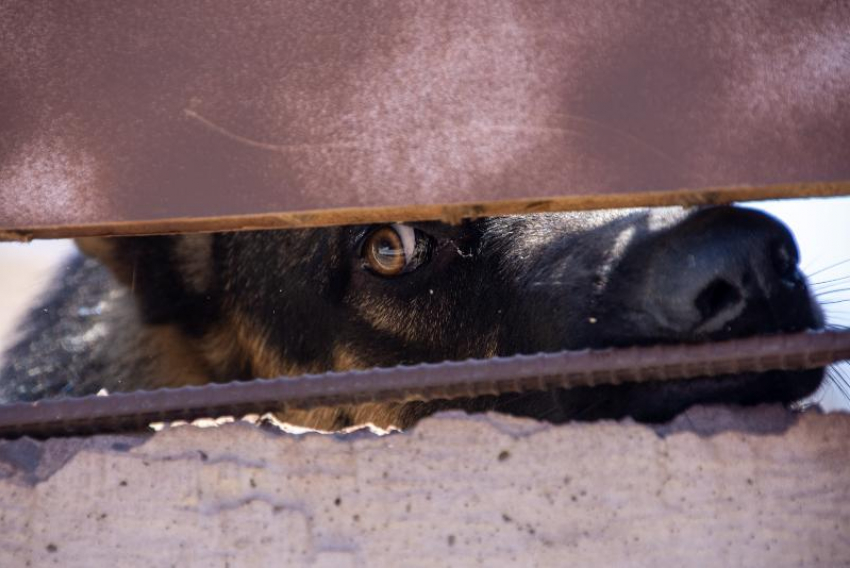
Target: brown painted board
{"x": 717, "y": 488}
{"x": 138, "y": 117}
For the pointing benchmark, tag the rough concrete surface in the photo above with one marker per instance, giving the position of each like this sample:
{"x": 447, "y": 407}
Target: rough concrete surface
{"x": 719, "y": 487}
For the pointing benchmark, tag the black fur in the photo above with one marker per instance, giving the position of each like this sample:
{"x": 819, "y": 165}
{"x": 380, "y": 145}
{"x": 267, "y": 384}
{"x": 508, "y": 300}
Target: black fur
{"x": 307, "y": 300}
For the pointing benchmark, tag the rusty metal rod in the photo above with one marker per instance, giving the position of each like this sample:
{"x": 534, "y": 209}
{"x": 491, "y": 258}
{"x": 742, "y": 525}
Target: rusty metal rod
{"x": 133, "y": 410}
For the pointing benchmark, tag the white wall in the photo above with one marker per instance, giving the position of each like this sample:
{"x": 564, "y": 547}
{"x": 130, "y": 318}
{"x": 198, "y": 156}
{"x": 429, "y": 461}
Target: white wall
{"x": 26, "y": 270}
{"x": 822, "y": 228}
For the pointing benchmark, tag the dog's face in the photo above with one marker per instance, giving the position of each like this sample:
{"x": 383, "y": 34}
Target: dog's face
{"x": 281, "y": 302}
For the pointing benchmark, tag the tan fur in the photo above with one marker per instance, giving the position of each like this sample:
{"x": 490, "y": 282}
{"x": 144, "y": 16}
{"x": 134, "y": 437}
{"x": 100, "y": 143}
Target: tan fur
{"x": 194, "y": 254}
{"x": 179, "y": 361}
{"x": 385, "y": 314}
{"x": 382, "y": 415}
{"x": 236, "y": 344}
{"x": 385, "y": 416}
{"x": 103, "y": 249}
{"x": 345, "y": 359}
{"x": 222, "y": 352}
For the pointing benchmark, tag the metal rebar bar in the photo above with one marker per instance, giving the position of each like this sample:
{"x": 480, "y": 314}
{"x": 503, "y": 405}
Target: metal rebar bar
{"x": 453, "y": 379}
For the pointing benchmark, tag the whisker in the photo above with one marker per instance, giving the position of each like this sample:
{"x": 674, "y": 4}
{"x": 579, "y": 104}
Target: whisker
{"x": 840, "y": 380}
{"x": 519, "y": 396}
{"x": 831, "y": 281}
{"x": 830, "y": 267}
{"x": 820, "y": 293}
{"x": 548, "y": 413}
{"x": 590, "y": 406}
{"x": 842, "y": 373}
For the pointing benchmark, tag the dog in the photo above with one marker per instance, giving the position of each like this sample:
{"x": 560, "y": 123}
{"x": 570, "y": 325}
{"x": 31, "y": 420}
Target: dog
{"x": 166, "y": 311}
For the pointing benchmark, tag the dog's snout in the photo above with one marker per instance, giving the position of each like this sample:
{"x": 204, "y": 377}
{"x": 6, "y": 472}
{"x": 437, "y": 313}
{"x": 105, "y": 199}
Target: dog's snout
{"x": 785, "y": 258}
{"x": 719, "y": 296}
{"x": 718, "y": 265}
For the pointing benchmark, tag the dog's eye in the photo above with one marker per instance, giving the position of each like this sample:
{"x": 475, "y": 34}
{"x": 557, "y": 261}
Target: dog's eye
{"x": 393, "y": 249}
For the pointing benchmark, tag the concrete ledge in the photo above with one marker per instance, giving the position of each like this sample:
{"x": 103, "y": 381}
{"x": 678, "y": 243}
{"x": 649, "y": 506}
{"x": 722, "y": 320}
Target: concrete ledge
{"x": 718, "y": 487}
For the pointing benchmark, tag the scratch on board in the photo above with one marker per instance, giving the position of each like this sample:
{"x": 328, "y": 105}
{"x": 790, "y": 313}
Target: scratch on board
{"x": 266, "y": 145}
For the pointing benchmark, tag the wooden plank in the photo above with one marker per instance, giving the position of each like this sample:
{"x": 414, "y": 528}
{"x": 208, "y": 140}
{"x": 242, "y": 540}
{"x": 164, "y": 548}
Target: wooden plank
{"x": 717, "y": 488}
{"x": 209, "y": 115}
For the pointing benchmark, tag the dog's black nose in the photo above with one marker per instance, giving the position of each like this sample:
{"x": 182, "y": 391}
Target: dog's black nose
{"x": 720, "y": 269}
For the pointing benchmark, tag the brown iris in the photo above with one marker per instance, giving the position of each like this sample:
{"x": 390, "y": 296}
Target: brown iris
{"x": 384, "y": 252}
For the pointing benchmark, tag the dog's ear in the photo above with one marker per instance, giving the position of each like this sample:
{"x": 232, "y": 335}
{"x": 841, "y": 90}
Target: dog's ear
{"x": 169, "y": 275}
{"x": 107, "y": 251}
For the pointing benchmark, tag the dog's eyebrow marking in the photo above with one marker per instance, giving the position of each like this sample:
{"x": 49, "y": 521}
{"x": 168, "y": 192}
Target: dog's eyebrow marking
{"x": 266, "y": 145}
{"x": 615, "y": 253}
{"x": 195, "y": 252}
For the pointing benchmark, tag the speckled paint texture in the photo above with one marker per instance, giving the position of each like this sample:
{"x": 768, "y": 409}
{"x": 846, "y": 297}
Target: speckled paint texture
{"x": 191, "y": 108}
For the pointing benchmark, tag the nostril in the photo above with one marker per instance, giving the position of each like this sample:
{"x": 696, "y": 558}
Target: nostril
{"x": 784, "y": 259}
{"x": 716, "y": 297}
